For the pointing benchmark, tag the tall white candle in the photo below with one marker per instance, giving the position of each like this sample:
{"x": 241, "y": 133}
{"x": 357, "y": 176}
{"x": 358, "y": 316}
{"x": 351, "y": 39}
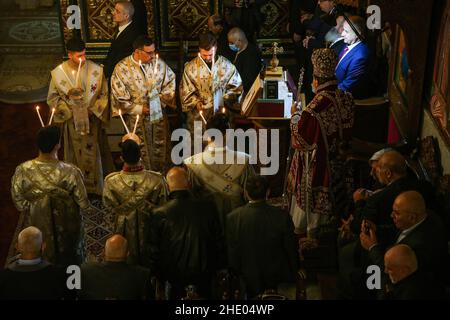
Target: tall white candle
{"x": 39, "y": 115}
{"x": 156, "y": 66}
{"x": 123, "y": 121}
{"x": 78, "y": 73}
{"x": 51, "y": 116}
{"x": 135, "y": 124}
{"x": 203, "y": 118}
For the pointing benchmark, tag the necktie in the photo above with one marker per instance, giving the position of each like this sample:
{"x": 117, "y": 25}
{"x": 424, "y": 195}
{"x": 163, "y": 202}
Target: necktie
{"x": 343, "y": 53}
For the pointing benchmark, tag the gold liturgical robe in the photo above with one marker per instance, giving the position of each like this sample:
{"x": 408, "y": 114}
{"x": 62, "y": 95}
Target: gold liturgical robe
{"x": 132, "y": 87}
{"x": 87, "y": 150}
{"x": 223, "y": 182}
{"x": 50, "y": 195}
{"x": 197, "y": 86}
{"x": 131, "y": 196}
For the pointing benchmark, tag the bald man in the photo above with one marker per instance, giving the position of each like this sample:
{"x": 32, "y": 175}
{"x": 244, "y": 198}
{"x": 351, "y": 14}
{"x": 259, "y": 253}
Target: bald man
{"x": 406, "y": 281}
{"x": 187, "y": 245}
{"x": 122, "y": 40}
{"x": 421, "y": 231}
{"x": 31, "y": 277}
{"x": 114, "y": 279}
{"x": 247, "y": 57}
{"x": 391, "y": 172}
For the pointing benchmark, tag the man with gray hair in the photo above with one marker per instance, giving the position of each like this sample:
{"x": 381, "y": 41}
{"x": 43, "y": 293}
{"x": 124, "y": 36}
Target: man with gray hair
{"x": 122, "y": 40}
{"x": 31, "y": 277}
{"x": 114, "y": 279}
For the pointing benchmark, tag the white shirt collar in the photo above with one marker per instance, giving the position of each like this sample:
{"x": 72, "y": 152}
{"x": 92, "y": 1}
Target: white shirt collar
{"x": 405, "y": 232}
{"x": 350, "y": 47}
{"x": 29, "y": 262}
{"x": 121, "y": 28}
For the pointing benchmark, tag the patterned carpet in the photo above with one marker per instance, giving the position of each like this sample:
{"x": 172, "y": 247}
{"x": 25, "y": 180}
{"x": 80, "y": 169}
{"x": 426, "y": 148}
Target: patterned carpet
{"x": 30, "y": 46}
{"x": 98, "y": 226}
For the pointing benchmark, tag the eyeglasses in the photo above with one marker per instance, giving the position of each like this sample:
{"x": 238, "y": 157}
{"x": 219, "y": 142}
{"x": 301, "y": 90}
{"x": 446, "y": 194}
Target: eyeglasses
{"x": 150, "y": 53}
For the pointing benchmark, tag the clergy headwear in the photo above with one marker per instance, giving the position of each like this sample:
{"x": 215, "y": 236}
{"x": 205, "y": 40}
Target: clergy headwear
{"x": 75, "y": 45}
{"x": 324, "y": 62}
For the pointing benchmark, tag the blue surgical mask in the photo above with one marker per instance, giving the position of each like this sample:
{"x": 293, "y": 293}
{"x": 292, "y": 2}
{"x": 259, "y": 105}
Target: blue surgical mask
{"x": 233, "y": 47}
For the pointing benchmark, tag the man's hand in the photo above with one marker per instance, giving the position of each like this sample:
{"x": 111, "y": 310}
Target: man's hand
{"x": 294, "y": 108}
{"x": 361, "y": 194}
{"x": 344, "y": 230}
{"x": 199, "y": 106}
{"x": 368, "y": 240}
{"x": 306, "y": 17}
{"x": 306, "y": 41}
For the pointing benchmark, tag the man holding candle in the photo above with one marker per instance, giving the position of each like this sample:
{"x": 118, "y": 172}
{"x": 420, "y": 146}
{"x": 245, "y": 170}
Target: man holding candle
{"x": 143, "y": 84}
{"x": 209, "y": 83}
{"x": 79, "y": 93}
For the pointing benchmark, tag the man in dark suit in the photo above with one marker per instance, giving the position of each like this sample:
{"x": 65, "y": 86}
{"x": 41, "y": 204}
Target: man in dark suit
{"x": 186, "y": 240}
{"x": 122, "y": 42}
{"x": 114, "y": 279}
{"x": 407, "y": 282}
{"x": 262, "y": 248}
{"x": 423, "y": 232}
{"x": 351, "y": 71}
{"x": 140, "y": 15}
{"x": 31, "y": 277}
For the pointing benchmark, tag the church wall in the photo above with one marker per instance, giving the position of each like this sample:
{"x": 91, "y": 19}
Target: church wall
{"x": 429, "y": 129}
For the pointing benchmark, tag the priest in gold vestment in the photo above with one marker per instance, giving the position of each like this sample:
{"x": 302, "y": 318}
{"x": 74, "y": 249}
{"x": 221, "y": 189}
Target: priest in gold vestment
{"x": 50, "y": 193}
{"x": 144, "y": 85}
{"x": 131, "y": 194}
{"x": 79, "y": 93}
{"x": 209, "y": 83}
{"x": 212, "y": 176}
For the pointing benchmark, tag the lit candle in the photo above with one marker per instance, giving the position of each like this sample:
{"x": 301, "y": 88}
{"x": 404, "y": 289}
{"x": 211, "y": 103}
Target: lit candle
{"x": 51, "y": 116}
{"x": 156, "y": 66}
{"x": 142, "y": 68}
{"x": 203, "y": 118}
{"x": 78, "y": 73}
{"x": 223, "y": 110}
{"x": 39, "y": 115}
{"x": 135, "y": 124}
{"x": 123, "y": 121}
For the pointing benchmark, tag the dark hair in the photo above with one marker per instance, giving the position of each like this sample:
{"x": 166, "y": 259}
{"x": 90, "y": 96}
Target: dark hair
{"x": 206, "y": 41}
{"x": 220, "y": 122}
{"x": 217, "y": 20}
{"x": 48, "y": 138}
{"x": 131, "y": 153}
{"x": 142, "y": 41}
{"x": 257, "y": 187}
{"x": 75, "y": 45}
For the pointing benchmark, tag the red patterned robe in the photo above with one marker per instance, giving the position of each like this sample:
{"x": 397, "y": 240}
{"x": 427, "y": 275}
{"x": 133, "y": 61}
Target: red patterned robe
{"x": 316, "y": 177}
